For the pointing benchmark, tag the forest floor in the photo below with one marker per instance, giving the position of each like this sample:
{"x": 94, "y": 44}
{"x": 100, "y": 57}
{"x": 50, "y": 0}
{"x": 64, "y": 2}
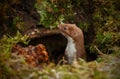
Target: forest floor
{"x": 106, "y": 67}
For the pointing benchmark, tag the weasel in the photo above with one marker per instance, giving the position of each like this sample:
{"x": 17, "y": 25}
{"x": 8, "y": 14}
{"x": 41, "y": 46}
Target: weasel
{"x": 75, "y": 46}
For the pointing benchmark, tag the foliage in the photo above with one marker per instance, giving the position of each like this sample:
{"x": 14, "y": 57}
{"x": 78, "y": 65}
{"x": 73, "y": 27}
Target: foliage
{"x": 18, "y": 23}
{"x": 84, "y": 26}
{"x": 6, "y": 44}
{"x": 106, "y": 21}
{"x": 53, "y": 12}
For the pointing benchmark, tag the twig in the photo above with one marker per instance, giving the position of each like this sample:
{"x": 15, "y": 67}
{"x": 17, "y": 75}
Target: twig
{"x": 99, "y": 52}
{"x": 63, "y": 61}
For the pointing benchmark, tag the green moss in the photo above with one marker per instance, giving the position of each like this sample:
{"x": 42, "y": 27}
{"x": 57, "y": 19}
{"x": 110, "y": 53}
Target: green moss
{"x": 6, "y": 44}
{"x": 18, "y": 23}
{"x": 53, "y": 13}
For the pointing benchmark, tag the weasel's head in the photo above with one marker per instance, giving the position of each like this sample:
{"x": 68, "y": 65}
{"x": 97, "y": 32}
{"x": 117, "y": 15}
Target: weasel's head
{"x": 69, "y": 30}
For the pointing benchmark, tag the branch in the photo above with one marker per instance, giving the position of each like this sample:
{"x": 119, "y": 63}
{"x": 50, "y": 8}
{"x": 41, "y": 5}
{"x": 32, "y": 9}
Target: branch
{"x": 40, "y": 32}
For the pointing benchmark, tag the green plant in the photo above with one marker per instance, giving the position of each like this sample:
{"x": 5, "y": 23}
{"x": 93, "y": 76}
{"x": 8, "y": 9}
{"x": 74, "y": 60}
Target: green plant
{"x": 106, "y": 22}
{"x": 53, "y": 12}
{"x": 6, "y": 44}
{"x": 18, "y": 23}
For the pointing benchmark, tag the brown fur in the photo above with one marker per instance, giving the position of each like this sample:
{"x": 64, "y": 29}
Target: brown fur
{"x": 71, "y": 30}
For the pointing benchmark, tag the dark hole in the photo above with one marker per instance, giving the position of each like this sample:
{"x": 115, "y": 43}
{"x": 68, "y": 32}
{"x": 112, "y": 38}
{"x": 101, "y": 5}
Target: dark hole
{"x": 55, "y": 45}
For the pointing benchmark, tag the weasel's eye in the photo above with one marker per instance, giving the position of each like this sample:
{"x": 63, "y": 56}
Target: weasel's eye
{"x": 64, "y": 28}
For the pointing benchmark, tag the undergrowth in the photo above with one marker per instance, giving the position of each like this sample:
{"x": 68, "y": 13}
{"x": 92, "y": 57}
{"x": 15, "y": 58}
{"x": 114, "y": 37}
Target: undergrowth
{"x": 6, "y": 44}
{"x": 13, "y": 66}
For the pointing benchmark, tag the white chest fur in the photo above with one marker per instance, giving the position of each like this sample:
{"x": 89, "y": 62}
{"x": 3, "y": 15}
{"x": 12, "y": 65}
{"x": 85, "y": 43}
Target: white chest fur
{"x": 70, "y": 51}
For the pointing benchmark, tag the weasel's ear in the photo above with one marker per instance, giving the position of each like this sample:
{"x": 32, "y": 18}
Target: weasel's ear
{"x": 74, "y": 24}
